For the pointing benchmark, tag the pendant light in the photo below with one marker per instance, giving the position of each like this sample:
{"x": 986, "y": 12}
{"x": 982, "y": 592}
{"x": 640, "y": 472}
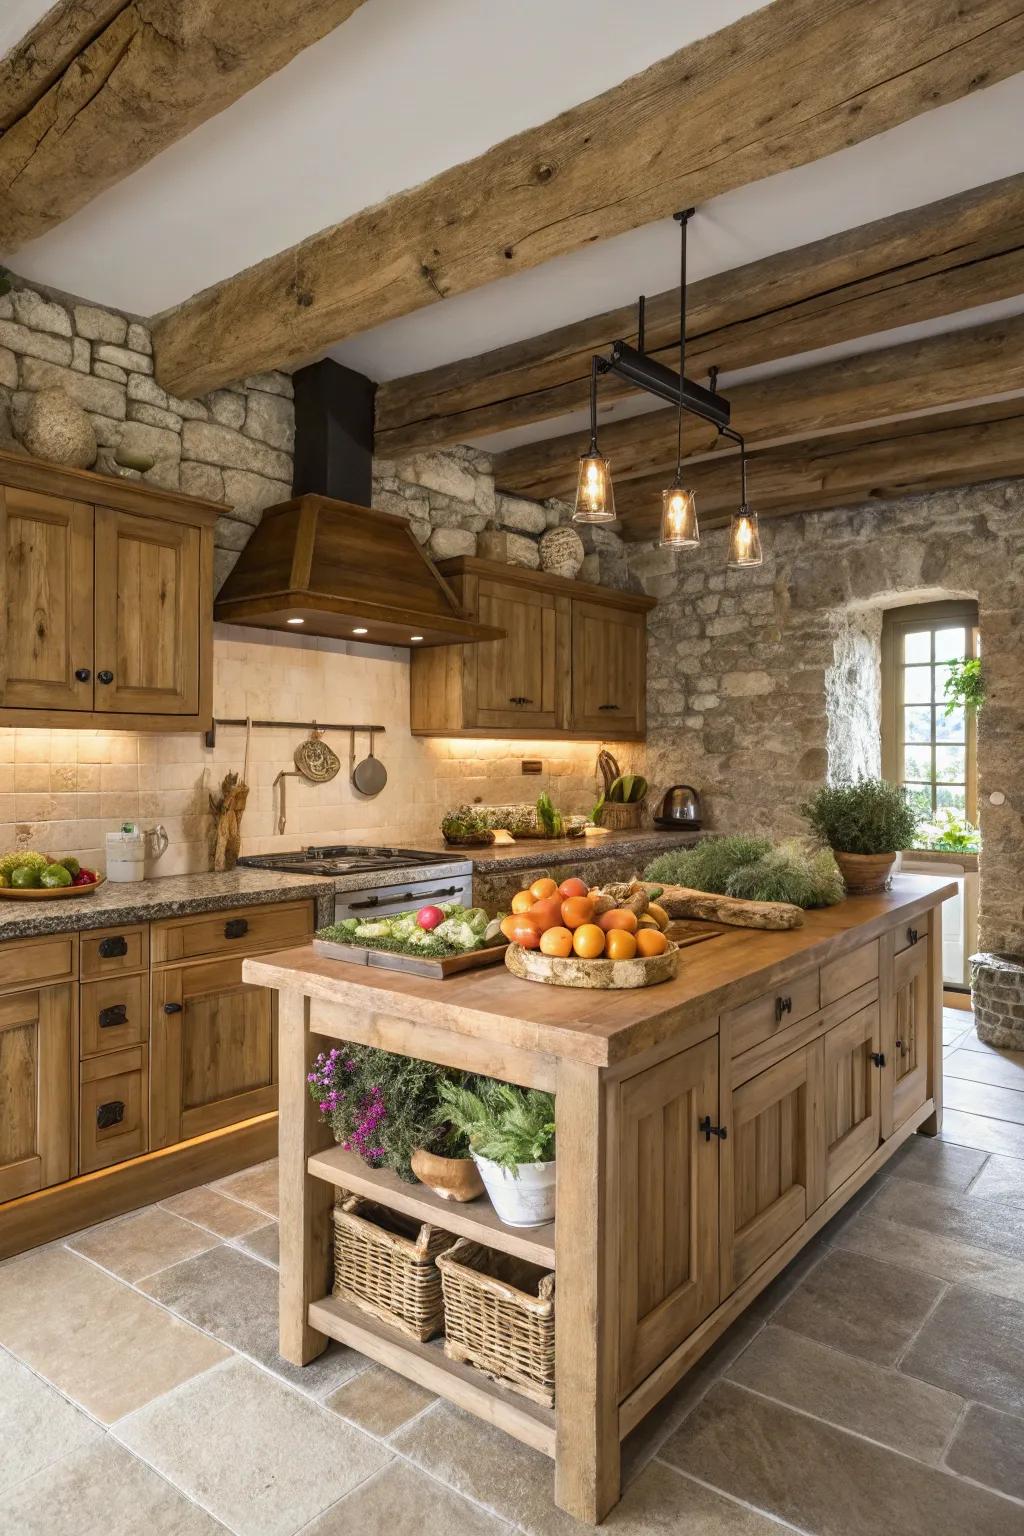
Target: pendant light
{"x": 744, "y": 534}
{"x": 679, "y": 528}
{"x": 595, "y": 494}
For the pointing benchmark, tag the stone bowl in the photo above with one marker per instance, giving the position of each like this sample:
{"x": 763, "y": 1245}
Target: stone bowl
{"x": 603, "y": 975}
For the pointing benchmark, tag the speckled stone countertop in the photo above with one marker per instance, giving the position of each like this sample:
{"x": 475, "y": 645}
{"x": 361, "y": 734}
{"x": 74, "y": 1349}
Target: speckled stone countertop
{"x": 142, "y": 901}
{"x": 644, "y": 845}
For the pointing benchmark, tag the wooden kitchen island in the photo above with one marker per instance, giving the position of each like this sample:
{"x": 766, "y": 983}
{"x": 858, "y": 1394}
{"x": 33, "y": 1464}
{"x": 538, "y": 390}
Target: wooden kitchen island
{"x": 707, "y": 1129}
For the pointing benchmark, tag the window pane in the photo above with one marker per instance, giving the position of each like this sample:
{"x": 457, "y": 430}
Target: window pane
{"x": 917, "y": 685}
{"x": 950, "y": 727}
{"x": 950, "y": 765}
{"x": 939, "y": 689}
{"x": 920, "y": 797}
{"x": 917, "y": 764}
{"x": 917, "y": 646}
{"x": 917, "y": 723}
{"x": 953, "y": 795}
{"x": 950, "y": 643}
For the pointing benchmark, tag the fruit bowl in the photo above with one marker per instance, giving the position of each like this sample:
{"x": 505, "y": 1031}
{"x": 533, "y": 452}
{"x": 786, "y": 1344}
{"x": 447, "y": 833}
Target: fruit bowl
{"x": 607, "y": 975}
{"x": 47, "y": 892}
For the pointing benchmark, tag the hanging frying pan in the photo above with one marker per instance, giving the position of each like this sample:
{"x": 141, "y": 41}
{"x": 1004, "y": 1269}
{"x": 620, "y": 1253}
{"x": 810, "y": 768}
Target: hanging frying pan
{"x": 368, "y": 776}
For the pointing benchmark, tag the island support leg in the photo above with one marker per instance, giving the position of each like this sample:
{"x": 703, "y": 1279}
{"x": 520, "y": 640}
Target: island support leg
{"x": 933, "y": 1125}
{"x": 586, "y": 1319}
{"x": 305, "y": 1216}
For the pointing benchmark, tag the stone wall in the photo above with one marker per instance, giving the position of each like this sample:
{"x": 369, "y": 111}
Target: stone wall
{"x": 763, "y": 681}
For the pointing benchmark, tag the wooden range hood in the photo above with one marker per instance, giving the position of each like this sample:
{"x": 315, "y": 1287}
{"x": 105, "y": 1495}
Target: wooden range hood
{"x": 338, "y": 567}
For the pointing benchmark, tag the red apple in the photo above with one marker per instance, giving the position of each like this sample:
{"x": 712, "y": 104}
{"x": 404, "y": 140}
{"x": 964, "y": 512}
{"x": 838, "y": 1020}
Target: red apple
{"x": 429, "y": 917}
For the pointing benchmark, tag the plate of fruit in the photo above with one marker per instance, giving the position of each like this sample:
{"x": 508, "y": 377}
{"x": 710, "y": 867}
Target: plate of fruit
{"x": 572, "y": 935}
{"x": 26, "y": 876}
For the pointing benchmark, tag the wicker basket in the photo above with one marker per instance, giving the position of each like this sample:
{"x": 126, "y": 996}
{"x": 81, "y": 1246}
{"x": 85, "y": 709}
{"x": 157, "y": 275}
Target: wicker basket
{"x": 618, "y": 816}
{"x": 500, "y": 1316}
{"x": 384, "y": 1264}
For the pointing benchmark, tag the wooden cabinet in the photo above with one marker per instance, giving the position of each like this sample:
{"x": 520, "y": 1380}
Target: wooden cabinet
{"x": 905, "y": 1027}
{"x": 105, "y": 601}
{"x": 113, "y": 1108}
{"x": 572, "y": 661}
{"x": 667, "y": 1170}
{"x": 772, "y": 1165}
{"x": 853, "y": 1063}
{"x": 36, "y": 1028}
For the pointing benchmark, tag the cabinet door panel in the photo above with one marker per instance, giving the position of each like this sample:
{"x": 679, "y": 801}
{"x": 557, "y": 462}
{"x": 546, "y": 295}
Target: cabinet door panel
{"x": 852, "y": 1095}
{"x": 35, "y": 1090}
{"x": 519, "y": 681}
{"x": 113, "y": 1108}
{"x": 668, "y": 1208}
{"x": 906, "y": 1035}
{"x": 772, "y": 1161}
{"x": 147, "y": 614}
{"x": 608, "y": 670}
{"x": 46, "y": 601}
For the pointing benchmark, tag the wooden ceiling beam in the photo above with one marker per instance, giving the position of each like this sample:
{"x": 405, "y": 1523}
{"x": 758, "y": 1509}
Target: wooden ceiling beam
{"x": 150, "y": 73}
{"x": 934, "y": 260}
{"x": 956, "y": 368}
{"x": 785, "y": 85}
{"x": 961, "y": 448}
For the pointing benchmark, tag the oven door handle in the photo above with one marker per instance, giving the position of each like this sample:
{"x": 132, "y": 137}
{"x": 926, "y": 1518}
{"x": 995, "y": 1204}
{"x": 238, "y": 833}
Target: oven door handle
{"x": 390, "y": 901}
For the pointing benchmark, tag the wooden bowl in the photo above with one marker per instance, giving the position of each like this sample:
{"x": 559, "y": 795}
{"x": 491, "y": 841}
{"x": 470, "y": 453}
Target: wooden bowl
{"x": 606, "y": 975}
{"x": 864, "y": 873}
{"x": 453, "y": 1178}
{"x": 47, "y": 893}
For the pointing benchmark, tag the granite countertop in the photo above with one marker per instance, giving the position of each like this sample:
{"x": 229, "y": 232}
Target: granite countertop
{"x": 569, "y": 850}
{"x": 142, "y": 901}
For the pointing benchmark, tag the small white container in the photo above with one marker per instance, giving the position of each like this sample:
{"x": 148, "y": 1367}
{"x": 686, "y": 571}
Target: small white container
{"x": 524, "y": 1201}
{"x": 128, "y": 850}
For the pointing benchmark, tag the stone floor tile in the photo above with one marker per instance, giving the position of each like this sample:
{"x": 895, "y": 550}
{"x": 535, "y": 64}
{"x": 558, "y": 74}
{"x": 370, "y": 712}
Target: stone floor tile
{"x": 967, "y": 1130}
{"x": 907, "y": 1415}
{"x": 1002, "y": 1178}
{"x": 262, "y": 1458}
{"x": 985, "y": 1221}
{"x": 1004, "y": 1069}
{"x": 972, "y": 1043}
{"x": 235, "y": 1297}
{"x": 102, "y": 1490}
{"x": 947, "y": 1258}
{"x": 37, "y": 1425}
{"x": 926, "y": 1160}
{"x": 101, "y": 1343}
{"x": 138, "y": 1245}
{"x": 400, "y": 1501}
{"x": 379, "y": 1400}
{"x": 984, "y": 1099}
{"x": 215, "y": 1211}
{"x": 973, "y": 1344}
{"x": 861, "y": 1306}
{"x": 825, "y": 1480}
{"x": 264, "y": 1243}
{"x": 989, "y": 1447}
{"x": 256, "y": 1186}
{"x": 664, "y": 1500}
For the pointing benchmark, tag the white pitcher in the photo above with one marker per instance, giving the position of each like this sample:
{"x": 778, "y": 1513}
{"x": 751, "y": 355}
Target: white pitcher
{"x": 129, "y": 850}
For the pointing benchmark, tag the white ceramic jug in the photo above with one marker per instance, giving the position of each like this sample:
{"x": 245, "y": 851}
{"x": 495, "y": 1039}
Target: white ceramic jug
{"x": 129, "y": 849}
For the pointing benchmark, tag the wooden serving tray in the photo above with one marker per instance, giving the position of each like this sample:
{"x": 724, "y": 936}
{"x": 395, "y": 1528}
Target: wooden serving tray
{"x": 48, "y": 893}
{"x": 412, "y": 965}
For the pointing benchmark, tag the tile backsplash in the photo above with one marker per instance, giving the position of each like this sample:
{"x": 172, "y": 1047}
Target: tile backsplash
{"x": 62, "y": 791}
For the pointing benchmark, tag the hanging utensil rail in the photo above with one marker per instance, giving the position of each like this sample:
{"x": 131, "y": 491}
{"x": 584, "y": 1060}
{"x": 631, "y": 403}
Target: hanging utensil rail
{"x": 289, "y": 725}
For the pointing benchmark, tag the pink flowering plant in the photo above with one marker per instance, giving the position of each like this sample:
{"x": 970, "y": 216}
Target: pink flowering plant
{"x": 383, "y": 1106}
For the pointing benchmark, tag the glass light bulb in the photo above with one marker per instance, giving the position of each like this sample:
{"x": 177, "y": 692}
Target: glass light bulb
{"x": 595, "y": 497}
{"x": 744, "y": 539}
{"x": 679, "y": 528}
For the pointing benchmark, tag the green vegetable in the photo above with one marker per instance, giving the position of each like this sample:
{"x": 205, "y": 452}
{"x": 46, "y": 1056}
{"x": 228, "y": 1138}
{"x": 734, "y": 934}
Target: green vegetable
{"x": 55, "y": 875}
{"x": 70, "y": 863}
{"x": 752, "y": 869}
{"x": 26, "y": 877}
{"x": 628, "y": 789}
{"x": 458, "y": 933}
{"x": 13, "y": 861}
{"x": 550, "y": 819}
{"x": 509, "y": 1126}
{"x": 866, "y": 816}
{"x": 709, "y": 865}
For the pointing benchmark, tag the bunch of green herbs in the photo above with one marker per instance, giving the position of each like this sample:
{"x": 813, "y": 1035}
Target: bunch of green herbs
{"x": 754, "y": 869}
{"x": 507, "y": 1125}
{"x": 863, "y": 816}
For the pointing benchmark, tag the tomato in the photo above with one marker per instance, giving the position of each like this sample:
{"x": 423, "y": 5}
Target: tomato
{"x": 619, "y": 945}
{"x": 577, "y": 910}
{"x": 556, "y": 941}
{"x": 574, "y": 886}
{"x": 525, "y": 932}
{"x": 618, "y": 917}
{"x": 651, "y": 941}
{"x": 522, "y": 901}
{"x": 541, "y": 888}
{"x": 546, "y": 913}
{"x": 588, "y": 941}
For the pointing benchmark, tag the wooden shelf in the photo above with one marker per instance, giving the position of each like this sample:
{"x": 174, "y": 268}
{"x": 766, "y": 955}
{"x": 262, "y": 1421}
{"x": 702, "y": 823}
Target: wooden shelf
{"x": 429, "y": 1366}
{"x": 476, "y": 1220}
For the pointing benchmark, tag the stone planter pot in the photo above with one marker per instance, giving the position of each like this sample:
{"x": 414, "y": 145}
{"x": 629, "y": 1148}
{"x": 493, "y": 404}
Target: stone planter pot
{"x": 864, "y": 873}
{"x": 453, "y": 1178}
{"x": 525, "y": 1198}
{"x": 997, "y": 992}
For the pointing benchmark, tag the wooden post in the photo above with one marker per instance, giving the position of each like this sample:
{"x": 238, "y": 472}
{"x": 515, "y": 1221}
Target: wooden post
{"x": 933, "y": 1125}
{"x": 586, "y": 1316}
{"x": 305, "y": 1217}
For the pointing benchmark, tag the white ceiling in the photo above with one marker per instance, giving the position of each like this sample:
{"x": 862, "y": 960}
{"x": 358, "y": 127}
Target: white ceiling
{"x": 18, "y": 17}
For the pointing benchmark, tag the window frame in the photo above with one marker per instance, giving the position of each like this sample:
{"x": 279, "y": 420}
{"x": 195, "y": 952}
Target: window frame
{"x": 896, "y": 622}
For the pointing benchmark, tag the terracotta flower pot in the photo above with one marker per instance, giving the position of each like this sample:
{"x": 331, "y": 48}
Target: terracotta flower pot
{"x": 864, "y": 873}
{"x": 453, "y": 1178}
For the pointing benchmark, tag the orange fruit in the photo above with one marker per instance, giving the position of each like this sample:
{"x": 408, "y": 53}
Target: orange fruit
{"x": 544, "y": 887}
{"x": 619, "y": 944}
{"x": 574, "y": 886}
{"x": 577, "y": 910}
{"x": 618, "y": 917}
{"x": 588, "y": 941}
{"x": 508, "y": 924}
{"x": 546, "y": 913}
{"x": 522, "y": 901}
{"x": 556, "y": 941}
{"x": 526, "y": 933}
{"x": 651, "y": 941}
{"x": 659, "y": 914}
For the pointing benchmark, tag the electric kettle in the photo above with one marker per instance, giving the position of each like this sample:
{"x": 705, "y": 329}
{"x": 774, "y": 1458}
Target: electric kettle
{"x": 679, "y": 809}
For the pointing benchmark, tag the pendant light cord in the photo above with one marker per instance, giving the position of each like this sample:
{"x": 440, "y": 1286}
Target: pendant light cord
{"x": 684, "y": 219}
{"x": 594, "y": 361}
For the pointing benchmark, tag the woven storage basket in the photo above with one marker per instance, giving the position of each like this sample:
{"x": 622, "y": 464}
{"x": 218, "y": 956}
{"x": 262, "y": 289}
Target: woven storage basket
{"x": 620, "y": 817}
{"x": 384, "y": 1263}
{"x": 499, "y": 1314}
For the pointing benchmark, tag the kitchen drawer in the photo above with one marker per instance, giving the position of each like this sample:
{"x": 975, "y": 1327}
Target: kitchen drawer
{"x": 849, "y": 972}
{"x": 38, "y": 961}
{"x": 113, "y": 1108}
{"x": 760, "y": 1019}
{"x": 114, "y": 1013}
{"x": 909, "y": 934}
{"x": 238, "y": 929}
{"x": 113, "y": 951}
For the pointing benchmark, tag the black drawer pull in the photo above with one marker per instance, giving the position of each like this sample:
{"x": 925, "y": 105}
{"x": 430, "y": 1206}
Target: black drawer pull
{"x": 117, "y": 1013}
{"x": 912, "y": 935}
{"x": 878, "y": 1057}
{"x": 104, "y": 676}
{"x": 111, "y": 1113}
{"x": 172, "y": 1007}
{"x": 520, "y": 699}
{"x": 109, "y": 948}
{"x": 82, "y": 674}
{"x": 607, "y": 706}
{"x": 236, "y": 927}
{"x": 782, "y": 1005}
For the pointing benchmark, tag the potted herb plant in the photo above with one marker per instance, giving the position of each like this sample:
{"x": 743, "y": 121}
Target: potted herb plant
{"x": 866, "y": 823}
{"x": 511, "y": 1135}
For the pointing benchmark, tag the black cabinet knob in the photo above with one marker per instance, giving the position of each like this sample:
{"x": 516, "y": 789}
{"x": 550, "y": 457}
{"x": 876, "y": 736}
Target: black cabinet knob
{"x": 236, "y": 927}
{"x": 172, "y": 1007}
{"x": 117, "y": 1013}
{"x": 109, "y": 948}
{"x": 82, "y": 674}
{"x": 105, "y": 676}
{"x": 111, "y": 1113}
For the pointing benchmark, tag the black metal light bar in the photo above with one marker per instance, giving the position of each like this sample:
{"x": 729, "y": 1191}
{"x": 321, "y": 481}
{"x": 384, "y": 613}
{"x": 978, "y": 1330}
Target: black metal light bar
{"x": 650, "y": 375}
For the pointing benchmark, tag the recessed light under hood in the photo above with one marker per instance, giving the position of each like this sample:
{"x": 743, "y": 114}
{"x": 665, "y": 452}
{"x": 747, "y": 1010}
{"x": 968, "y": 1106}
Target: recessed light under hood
{"x": 344, "y": 571}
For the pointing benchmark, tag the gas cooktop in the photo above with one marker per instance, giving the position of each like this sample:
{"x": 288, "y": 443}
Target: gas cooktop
{"x": 345, "y": 859}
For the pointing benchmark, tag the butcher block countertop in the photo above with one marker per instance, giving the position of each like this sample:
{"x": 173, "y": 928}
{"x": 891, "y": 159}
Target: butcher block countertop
{"x": 602, "y": 1027}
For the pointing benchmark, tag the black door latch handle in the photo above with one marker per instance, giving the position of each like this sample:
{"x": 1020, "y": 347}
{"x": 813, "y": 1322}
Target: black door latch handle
{"x": 708, "y": 1130}
{"x": 172, "y": 1007}
{"x": 878, "y": 1057}
{"x": 912, "y": 935}
{"x": 782, "y": 1005}
{"x": 111, "y": 1113}
{"x": 109, "y": 948}
{"x": 117, "y": 1013}
{"x": 236, "y": 927}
